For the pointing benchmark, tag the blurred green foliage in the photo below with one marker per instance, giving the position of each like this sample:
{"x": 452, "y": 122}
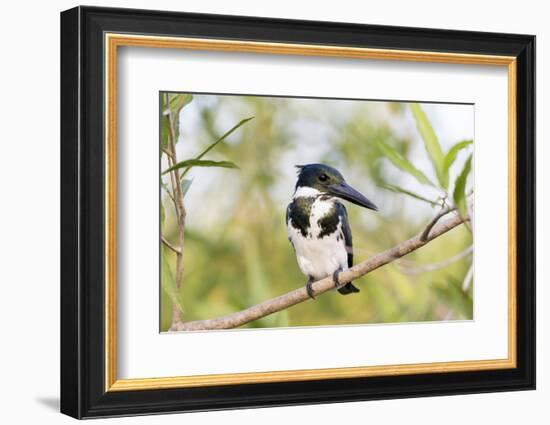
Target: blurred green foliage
{"x": 236, "y": 249}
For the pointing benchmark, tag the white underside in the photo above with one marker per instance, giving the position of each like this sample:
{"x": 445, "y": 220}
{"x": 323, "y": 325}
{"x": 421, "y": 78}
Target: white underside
{"x": 304, "y": 191}
{"x": 316, "y": 257}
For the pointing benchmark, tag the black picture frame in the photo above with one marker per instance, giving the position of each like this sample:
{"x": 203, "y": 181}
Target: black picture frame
{"x": 83, "y": 392}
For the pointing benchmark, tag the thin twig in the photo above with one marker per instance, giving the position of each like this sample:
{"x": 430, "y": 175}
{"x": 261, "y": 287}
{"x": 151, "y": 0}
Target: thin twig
{"x": 167, "y": 152}
{"x": 468, "y": 279}
{"x": 412, "y": 269}
{"x": 300, "y": 295}
{"x": 432, "y": 223}
{"x": 170, "y": 245}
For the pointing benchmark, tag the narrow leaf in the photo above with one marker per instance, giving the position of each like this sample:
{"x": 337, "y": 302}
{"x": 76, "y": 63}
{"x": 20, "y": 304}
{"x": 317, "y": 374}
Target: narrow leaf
{"x": 171, "y": 107}
{"x": 398, "y": 189}
{"x": 403, "y": 163}
{"x": 219, "y": 140}
{"x": 430, "y": 143}
{"x": 224, "y": 136}
{"x": 200, "y": 163}
{"x": 165, "y": 186}
{"x": 164, "y": 123}
{"x": 459, "y": 194}
{"x": 176, "y": 103}
{"x": 179, "y": 101}
{"x": 453, "y": 152}
{"x": 164, "y": 131}
{"x": 185, "y": 185}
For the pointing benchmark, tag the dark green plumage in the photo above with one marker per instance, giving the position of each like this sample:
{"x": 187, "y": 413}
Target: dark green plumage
{"x": 298, "y": 211}
{"x": 342, "y": 214}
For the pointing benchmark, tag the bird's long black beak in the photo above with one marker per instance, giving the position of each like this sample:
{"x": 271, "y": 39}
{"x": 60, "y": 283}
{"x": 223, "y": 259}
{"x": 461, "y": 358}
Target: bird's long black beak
{"x": 345, "y": 191}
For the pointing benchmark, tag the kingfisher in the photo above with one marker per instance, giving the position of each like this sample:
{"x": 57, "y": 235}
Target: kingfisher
{"x": 318, "y": 226}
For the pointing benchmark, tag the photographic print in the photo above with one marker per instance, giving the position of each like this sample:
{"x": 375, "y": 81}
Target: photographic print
{"x": 262, "y": 195}
{"x": 362, "y": 194}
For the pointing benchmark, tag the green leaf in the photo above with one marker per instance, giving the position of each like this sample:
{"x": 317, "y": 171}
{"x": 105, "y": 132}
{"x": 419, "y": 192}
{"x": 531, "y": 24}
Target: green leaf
{"x": 430, "y": 143}
{"x": 168, "y": 282}
{"x": 403, "y": 163}
{"x": 164, "y": 131}
{"x": 398, "y": 189}
{"x": 162, "y": 215}
{"x": 189, "y": 163}
{"x": 165, "y": 186}
{"x": 171, "y": 105}
{"x": 178, "y": 101}
{"x": 164, "y": 123}
{"x": 453, "y": 152}
{"x": 459, "y": 194}
{"x": 219, "y": 140}
{"x": 176, "y": 104}
{"x": 224, "y": 136}
{"x": 185, "y": 185}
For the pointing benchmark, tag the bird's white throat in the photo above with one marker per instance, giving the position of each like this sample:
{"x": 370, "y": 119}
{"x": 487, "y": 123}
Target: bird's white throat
{"x": 306, "y": 192}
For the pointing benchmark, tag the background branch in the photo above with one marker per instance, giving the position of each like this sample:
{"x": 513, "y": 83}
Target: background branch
{"x": 169, "y": 245}
{"x": 429, "y": 227}
{"x": 299, "y": 295}
{"x": 414, "y": 269}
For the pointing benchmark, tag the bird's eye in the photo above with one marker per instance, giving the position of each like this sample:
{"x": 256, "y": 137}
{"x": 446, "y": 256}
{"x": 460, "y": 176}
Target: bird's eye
{"x": 323, "y": 177}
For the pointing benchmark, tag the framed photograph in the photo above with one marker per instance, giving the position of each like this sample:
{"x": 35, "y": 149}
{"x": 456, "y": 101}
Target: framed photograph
{"x": 261, "y": 212}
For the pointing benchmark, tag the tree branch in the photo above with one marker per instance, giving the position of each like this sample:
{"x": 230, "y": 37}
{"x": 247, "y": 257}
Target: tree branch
{"x": 300, "y": 295}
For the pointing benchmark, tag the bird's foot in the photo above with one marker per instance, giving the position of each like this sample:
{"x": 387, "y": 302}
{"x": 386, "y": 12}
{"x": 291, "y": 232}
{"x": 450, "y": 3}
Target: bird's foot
{"x": 336, "y": 278}
{"x": 309, "y": 289}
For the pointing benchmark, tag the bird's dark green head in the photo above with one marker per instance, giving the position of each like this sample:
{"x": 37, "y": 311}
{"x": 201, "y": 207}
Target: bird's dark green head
{"x": 325, "y": 180}
{"x": 318, "y": 176}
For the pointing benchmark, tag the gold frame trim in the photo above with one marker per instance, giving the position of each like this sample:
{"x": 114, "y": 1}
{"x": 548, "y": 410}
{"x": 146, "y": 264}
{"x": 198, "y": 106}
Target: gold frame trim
{"x": 113, "y": 41}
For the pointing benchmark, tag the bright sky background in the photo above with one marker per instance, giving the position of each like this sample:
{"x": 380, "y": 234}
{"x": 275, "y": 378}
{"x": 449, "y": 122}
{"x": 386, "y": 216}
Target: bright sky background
{"x": 451, "y": 123}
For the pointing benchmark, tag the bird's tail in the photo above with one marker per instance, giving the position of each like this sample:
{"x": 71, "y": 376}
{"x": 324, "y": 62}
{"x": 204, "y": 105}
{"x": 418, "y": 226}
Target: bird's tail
{"x": 348, "y": 288}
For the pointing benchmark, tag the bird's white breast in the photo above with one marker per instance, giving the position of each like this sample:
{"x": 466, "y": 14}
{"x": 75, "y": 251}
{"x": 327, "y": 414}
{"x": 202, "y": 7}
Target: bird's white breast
{"x": 319, "y": 257}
